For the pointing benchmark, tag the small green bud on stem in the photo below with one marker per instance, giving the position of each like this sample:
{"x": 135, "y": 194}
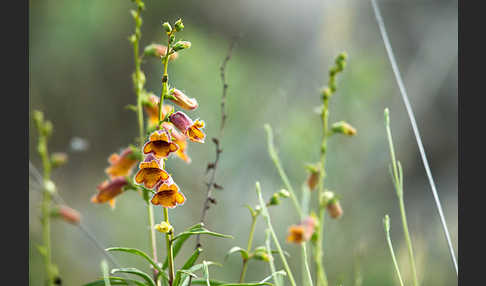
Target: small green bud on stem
{"x": 181, "y": 45}
{"x": 179, "y": 26}
{"x": 343, "y": 128}
{"x": 167, "y": 27}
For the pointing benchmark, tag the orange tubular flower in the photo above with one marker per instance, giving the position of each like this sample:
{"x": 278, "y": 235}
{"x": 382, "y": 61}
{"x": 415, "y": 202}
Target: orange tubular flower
{"x": 152, "y": 109}
{"x": 168, "y": 194}
{"x": 186, "y": 126}
{"x": 121, "y": 165}
{"x": 160, "y": 144}
{"x": 179, "y": 139}
{"x": 303, "y": 231}
{"x": 150, "y": 172}
{"x": 109, "y": 190}
{"x": 183, "y": 100}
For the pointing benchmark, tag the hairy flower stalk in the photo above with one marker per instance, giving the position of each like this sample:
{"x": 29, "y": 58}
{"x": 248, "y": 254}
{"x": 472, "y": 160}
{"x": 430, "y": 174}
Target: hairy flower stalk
{"x": 44, "y": 129}
{"x": 326, "y": 94}
{"x": 139, "y": 80}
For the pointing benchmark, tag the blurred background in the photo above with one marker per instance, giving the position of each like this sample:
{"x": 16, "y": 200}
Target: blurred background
{"x": 80, "y": 76}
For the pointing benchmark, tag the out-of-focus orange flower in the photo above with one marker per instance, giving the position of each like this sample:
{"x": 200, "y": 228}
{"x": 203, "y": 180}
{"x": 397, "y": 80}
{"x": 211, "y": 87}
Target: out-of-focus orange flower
{"x": 296, "y": 234}
{"x": 121, "y": 165}
{"x": 188, "y": 127}
{"x": 160, "y": 144}
{"x": 183, "y": 100}
{"x": 180, "y": 139}
{"x": 303, "y": 231}
{"x": 168, "y": 194}
{"x": 108, "y": 190}
{"x": 152, "y": 109}
{"x": 150, "y": 172}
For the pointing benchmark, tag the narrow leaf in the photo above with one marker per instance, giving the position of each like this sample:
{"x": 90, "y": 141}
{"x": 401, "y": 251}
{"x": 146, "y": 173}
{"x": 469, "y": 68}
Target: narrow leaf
{"x": 189, "y": 263}
{"x": 178, "y": 244}
{"x": 243, "y": 252}
{"x": 137, "y": 272}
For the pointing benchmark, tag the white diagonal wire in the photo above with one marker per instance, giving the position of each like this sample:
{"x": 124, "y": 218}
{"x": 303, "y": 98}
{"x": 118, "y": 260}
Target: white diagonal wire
{"x": 403, "y": 92}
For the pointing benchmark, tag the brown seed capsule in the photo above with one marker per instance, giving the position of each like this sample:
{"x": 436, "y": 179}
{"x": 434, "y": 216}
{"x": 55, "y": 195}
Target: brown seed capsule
{"x": 334, "y": 209}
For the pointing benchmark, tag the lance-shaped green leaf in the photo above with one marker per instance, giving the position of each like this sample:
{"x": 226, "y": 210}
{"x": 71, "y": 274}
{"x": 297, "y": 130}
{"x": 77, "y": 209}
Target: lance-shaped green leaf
{"x": 199, "y": 230}
{"x": 137, "y": 272}
{"x": 195, "y": 268}
{"x": 143, "y": 255}
{"x": 189, "y": 263}
{"x": 243, "y": 252}
{"x": 280, "y": 272}
{"x": 178, "y": 244}
{"x": 116, "y": 281}
{"x": 222, "y": 283}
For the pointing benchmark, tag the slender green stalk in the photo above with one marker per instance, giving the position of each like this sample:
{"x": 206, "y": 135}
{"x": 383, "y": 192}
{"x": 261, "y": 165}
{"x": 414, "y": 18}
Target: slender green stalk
{"x": 248, "y": 248}
{"x": 266, "y": 215}
{"x": 165, "y": 77}
{"x": 153, "y": 242}
{"x": 397, "y": 177}
{"x": 168, "y": 237}
{"x": 104, "y": 270}
{"x": 386, "y": 224}
{"x": 327, "y": 92}
{"x": 276, "y": 161}
{"x": 44, "y": 128}
{"x": 138, "y": 85}
{"x": 277, "y": 279}
{"x": 306, "y": 265}
{"x": 321, "y": 273}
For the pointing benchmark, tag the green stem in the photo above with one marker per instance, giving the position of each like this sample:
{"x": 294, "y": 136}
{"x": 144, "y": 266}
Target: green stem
{"x": 138, "y": 91}
{"x": 138, "y": 72}
{"x": 46, "y": 208}
{"x": 407, "y": 239}
{"x": 266, "y": 215}
{"x": 278, "y": 165}
{"x": 390, "y": 246}
{"x": 277, "y": 279}
{"x": 321, "y": 273}
{"x": 168, "y": 237}
{"x": 165, "y": 78}
{"x": 398, "y": 183}
{"x": 306, "y": 265}
{"x": 248, "y": 248}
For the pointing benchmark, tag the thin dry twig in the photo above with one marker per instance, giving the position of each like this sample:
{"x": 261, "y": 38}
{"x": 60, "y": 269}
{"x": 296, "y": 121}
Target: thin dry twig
{"x": 212, "y": 166}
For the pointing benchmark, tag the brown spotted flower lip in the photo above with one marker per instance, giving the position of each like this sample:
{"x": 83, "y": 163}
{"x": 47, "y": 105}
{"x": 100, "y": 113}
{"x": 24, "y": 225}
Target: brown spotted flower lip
{"x": 160, "y": 144}
{"x": 108, "y": 190}
{"x": 121, "y": 165}
{"x": 191, "y": 129}
{"x": 194, "y": 132}
{"x": 168, "y": 194}
{"x": 150, "y": 172}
